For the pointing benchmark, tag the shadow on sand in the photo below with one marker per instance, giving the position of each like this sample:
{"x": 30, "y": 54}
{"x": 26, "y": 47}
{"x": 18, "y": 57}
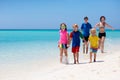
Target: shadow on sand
{"x": 99, "y": 61}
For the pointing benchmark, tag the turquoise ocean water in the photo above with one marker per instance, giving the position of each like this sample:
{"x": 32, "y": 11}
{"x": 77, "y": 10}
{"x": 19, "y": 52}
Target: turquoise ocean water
{"x": 18, "y": 46}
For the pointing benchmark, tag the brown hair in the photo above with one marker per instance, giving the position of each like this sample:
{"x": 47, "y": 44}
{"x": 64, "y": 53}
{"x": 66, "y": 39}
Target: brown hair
{"x": 102, "y": 17}
{"x": 86, "y": 18}
{"x": 63, "y": 24}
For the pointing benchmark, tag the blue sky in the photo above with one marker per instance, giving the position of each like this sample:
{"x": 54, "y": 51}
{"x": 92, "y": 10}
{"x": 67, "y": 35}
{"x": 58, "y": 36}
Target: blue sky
{"x": 48, "y": 14}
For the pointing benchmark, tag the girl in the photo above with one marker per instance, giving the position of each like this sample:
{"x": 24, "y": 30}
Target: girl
{"x": 63, "y": 42}
{"x": 102, "y": 34}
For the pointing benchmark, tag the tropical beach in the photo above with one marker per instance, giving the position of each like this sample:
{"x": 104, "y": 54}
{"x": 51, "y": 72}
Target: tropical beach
{"x": 59, "y": 40}
{"x": 24, "y": 59}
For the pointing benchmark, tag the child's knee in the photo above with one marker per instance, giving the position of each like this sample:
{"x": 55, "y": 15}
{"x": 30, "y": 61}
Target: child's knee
{"x": 61, "y": 54}
{"x": 66, "y": 54}
{"x": 61, "y": 50}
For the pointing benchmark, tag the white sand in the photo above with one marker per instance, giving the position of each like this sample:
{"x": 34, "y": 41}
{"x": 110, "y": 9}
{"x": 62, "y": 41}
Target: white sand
{"x": 107, "y": 68}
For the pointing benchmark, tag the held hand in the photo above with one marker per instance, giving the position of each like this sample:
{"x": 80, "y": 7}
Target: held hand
{"x": 84, "y": 40}
{"x": 99, "y": 47}
{"x": 68, "y": 45}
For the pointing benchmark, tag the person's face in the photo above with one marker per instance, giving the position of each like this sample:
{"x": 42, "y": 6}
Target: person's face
{"x": 86, "y": 20}
{"x": 93, "y": 32}
{"x": 75, "y": 28}
{"x": 102, "y": 20}
{"x": 63, "y": 27}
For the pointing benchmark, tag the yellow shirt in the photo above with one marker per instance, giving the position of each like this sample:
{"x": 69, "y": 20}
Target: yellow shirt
{"x": 94, "y": 41}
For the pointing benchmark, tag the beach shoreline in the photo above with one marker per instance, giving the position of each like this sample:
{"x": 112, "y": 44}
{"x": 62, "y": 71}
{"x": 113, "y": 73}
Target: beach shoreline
{"x": 107, "y": 67}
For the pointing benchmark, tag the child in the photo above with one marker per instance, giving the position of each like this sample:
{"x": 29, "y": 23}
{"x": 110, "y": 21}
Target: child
{"x": 63, "y": 42}
{"x": 94, "y": 44}
{"x": 75, "y": 37}
{"x": 86, "y": 26}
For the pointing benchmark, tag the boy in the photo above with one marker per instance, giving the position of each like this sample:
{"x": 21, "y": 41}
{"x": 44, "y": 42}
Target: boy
{"x": 75, "y": 37}
{"x": 86, "y": 26}
{"x": 94, "y": 44}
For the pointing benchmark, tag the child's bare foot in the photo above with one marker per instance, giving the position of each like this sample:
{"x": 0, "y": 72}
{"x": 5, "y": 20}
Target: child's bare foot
{"x": 94, "y": 60}
{"x": 86, "y": 51}
{"x": 61, "y": 62}
{"x": 67, "y": 62}
{"x": 102, "y": 51}
{"x": 74, "y": 62}
{"x": 90, "y": 62}
{"x": 77, "y": 62}
{"x": 83, "y": 51}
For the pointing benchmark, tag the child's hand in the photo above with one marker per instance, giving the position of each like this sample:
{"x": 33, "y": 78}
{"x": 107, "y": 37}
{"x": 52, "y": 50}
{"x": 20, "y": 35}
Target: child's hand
{"x": 84, "y": 40}
{"x": 98, "y": 47}
{"x": 68, "y": 45}
{"x": 58, "y": 45}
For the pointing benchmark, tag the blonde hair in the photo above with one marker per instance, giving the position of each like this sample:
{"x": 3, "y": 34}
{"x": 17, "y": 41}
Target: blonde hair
{"x": 75, "y": 25}
{"x": 93, "y": 30}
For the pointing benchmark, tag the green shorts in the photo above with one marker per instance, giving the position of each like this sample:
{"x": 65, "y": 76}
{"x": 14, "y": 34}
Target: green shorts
{"x": 63, "y": 46}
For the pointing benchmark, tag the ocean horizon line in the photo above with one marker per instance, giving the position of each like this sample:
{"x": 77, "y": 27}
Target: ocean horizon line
{"x": 43, "y": 29}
